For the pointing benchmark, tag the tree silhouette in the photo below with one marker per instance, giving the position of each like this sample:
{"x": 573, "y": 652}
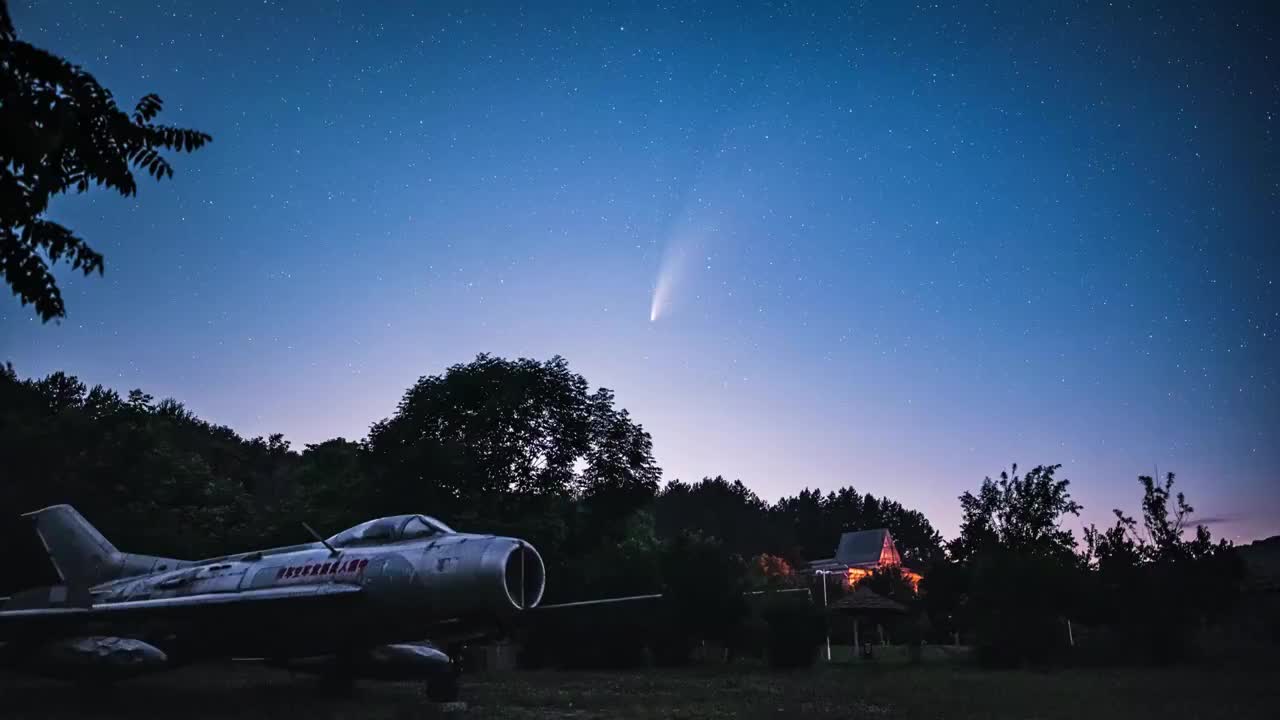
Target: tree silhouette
{"x": 1154, "y": 584}
{"x": 715, "y": 508}
{"x": 521, "y": 447}
{"x": 60, "y": 131}
{"x": 1024, "y": 573}
{"x": 1018, "y": 514}
{"x": 495, "y": 430}
{"x": 812, "y": 523}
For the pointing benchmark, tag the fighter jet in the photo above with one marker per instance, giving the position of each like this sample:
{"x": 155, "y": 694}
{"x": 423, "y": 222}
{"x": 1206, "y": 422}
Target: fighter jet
{"x": 355, "y": 605}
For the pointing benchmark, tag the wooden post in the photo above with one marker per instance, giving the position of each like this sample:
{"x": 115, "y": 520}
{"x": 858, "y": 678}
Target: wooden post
{"x": 827, "y": 615}
{"x": 857, "y": 644}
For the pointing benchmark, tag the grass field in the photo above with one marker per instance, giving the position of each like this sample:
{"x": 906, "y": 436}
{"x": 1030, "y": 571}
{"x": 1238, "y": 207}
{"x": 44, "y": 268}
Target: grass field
{"x": 720, "y": 692}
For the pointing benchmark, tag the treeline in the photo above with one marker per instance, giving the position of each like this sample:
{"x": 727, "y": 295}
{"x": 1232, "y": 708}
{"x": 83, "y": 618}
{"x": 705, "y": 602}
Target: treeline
{"x": 527, "y": 448}
{"x": 494, "y": 445}
{"x": 1024, "y": 590}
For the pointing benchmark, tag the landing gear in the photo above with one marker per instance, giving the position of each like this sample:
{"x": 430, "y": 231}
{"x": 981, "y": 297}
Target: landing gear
{"x": 444, "y": 686}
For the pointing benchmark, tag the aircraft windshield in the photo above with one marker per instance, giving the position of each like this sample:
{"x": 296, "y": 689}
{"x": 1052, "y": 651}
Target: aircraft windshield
{"x": 438, "y": 525}
{"x": 389, "y": 530}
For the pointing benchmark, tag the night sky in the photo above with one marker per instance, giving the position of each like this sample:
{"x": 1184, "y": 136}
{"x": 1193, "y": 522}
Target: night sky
{"x": 878, "y": 244}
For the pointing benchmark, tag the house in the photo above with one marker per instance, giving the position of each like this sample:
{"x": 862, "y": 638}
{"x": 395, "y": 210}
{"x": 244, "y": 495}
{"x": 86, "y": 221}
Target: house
{"x": 860, "y": 553}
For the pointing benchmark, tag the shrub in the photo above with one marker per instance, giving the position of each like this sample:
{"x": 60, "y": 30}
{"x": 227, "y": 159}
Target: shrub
{"x": 702, "y": 598}
{"x": 671, "y": 643}
{"x": 607, "y": 638}
{"x": 795, "y": 631}
{"x": 1015, "y": 605}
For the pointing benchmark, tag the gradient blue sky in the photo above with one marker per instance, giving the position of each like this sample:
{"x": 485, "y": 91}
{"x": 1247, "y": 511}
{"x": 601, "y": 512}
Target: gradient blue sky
{"x": 900, "y": 246}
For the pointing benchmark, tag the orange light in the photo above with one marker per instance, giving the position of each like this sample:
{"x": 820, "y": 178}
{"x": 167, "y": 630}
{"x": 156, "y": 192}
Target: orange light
{"x": 853, "y": 575}
{"x": 913, "y": 578}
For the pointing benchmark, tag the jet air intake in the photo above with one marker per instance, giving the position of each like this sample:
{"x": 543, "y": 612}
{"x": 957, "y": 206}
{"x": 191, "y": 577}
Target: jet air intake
{"x": 524, "y": 576}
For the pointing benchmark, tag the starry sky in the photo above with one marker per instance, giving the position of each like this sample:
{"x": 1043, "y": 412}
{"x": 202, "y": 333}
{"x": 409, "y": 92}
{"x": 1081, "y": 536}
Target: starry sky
{"x": 808, "y": 244}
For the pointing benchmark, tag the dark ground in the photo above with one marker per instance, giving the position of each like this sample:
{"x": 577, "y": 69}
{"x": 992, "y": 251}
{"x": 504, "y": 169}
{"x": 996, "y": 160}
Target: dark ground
{"x": 720, "y": 692}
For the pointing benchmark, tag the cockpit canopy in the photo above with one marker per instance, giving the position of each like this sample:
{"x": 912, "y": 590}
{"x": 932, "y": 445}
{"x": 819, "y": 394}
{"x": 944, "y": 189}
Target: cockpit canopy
{"x": 396, "y": 528}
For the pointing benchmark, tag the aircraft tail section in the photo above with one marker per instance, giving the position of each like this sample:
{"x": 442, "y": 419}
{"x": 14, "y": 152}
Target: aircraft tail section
{"x": 81, "y": 555}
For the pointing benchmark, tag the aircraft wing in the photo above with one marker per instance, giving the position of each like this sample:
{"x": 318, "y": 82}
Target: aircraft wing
{"x": 651, "y": 597}
{"x": 597, "y": 603}
{"x": 24, "y": 615}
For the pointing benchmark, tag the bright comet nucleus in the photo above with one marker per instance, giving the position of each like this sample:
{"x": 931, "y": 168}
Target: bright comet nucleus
{"x": 668, "y": 276}
{"x": 660, "y": 292}
{"x": 688, "y": 241}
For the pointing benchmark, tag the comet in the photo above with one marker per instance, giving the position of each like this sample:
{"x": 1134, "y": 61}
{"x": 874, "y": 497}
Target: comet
{"x": 672, "y": 264}
{"x": 682, "y": 245}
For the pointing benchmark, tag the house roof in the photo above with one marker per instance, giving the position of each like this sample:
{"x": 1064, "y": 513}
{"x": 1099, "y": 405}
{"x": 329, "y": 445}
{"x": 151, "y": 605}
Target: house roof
{"x": 865, "y": 549}
{"x": 868, "y": 548}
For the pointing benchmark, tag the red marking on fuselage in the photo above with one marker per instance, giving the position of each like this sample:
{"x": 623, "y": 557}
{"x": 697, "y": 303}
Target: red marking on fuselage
{"x": 343, "y": 567}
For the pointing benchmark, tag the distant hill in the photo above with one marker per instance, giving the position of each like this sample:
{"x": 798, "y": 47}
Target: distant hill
{"x": 1262, "y": 559}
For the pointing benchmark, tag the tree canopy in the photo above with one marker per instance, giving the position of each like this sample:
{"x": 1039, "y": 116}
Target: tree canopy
{"x": 527, "y": 448}
{"x": 1018, "y": 514}
{"x": 60, "y": 131}
{"x": 801, "y": 527}
{"x": 1153, "y": 581}
{"x": 518, "y": 446}
{"x": 494, "y": 428}
{"x": 1021, "y": 572}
